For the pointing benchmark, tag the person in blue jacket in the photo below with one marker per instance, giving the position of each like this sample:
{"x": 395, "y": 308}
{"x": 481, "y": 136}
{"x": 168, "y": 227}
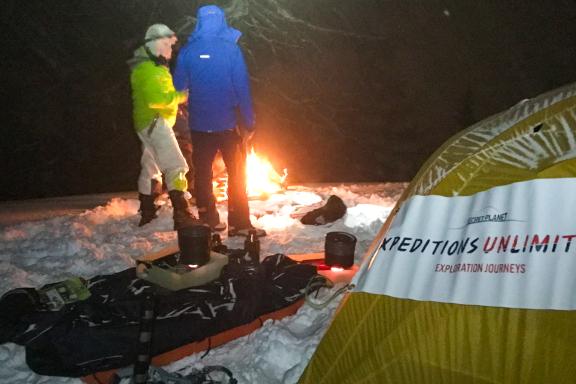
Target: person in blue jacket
{"x": 211, "y": 68}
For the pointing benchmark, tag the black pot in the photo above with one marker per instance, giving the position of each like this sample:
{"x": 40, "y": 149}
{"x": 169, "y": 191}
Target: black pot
{"x": 339, "y": 249}
{"x": 195, "y": 243}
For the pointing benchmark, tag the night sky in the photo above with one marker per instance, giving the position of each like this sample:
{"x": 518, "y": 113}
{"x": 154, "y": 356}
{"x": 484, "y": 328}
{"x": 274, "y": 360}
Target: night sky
{"x": 344, "y": 90}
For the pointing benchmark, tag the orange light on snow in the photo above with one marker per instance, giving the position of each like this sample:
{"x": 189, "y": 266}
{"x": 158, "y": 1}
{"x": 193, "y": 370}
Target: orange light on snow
{"x": 261, "y": 177}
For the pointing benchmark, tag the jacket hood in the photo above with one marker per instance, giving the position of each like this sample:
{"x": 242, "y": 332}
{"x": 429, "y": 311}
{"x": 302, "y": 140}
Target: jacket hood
{"x": 140, "y": 55}
{"x": 212, "y": 23}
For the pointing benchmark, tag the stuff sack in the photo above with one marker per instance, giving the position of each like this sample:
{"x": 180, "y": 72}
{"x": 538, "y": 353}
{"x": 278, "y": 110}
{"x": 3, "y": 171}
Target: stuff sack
{"x": 333, "y": 210}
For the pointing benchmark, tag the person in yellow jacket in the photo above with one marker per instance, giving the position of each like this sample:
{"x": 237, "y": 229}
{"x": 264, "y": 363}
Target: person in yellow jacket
{"x": 155, "y": 105}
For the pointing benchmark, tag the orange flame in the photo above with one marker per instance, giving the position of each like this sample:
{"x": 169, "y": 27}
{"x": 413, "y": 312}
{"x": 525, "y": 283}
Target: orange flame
{"x": 261, "y": 178}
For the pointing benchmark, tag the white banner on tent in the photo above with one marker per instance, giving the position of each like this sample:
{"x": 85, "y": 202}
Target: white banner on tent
{"x": 511, "y": 246}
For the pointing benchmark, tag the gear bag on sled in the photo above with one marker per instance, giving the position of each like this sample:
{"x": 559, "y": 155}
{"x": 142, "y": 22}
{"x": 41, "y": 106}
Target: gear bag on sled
{"x": 100, "y": 332}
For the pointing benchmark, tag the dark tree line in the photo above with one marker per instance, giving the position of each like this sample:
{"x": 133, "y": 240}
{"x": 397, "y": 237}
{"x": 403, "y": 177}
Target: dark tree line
{"x": 345, "y": 91}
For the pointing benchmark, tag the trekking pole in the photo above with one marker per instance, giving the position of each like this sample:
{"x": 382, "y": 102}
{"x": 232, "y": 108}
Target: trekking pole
{"x": 147, "y": 317}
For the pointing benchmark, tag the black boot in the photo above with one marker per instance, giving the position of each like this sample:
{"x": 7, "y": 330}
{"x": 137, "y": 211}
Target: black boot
{"x": 183, "y": 216}
{"x": 211, "y": 217}
{"x": 147, "y": 208}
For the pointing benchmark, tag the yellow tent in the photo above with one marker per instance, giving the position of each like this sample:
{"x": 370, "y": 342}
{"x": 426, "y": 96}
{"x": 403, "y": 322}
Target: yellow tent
{"x": 492, "y": 298}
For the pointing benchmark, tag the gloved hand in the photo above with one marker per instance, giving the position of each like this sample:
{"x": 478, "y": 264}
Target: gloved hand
{"x": 183, "y": 96}
{"x": 246, "y": 135}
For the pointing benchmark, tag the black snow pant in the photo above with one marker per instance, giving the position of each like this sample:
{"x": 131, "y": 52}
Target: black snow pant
{"x": 229, "y": 143}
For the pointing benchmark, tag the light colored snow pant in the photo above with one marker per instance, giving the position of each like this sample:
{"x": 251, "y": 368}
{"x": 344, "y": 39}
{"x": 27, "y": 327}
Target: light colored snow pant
{"x": 161, "y": 155}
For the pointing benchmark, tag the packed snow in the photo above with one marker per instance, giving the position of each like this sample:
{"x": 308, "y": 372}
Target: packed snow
{"x": 106, "y": 239}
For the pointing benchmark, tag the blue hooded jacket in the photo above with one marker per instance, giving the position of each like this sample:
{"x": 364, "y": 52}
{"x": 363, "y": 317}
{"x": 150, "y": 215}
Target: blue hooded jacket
{"x": 211, "y": 66}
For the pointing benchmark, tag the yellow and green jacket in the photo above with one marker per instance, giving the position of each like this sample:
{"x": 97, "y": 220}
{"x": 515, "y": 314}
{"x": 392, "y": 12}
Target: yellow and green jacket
{"x": 153, "y": 93}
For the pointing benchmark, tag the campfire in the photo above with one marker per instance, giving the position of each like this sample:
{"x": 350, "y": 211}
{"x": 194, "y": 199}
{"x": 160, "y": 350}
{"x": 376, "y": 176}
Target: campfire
{"x": 261, "y": 179}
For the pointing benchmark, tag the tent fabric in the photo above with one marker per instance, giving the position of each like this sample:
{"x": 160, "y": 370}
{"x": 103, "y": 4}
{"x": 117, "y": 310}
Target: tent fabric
{"x": 382, "y": 339}
{"x": 511, "y": 146}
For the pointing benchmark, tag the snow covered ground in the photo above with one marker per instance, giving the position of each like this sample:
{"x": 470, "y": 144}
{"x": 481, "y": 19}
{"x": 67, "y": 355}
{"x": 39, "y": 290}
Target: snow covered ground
{"x": 105, "y": 239}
